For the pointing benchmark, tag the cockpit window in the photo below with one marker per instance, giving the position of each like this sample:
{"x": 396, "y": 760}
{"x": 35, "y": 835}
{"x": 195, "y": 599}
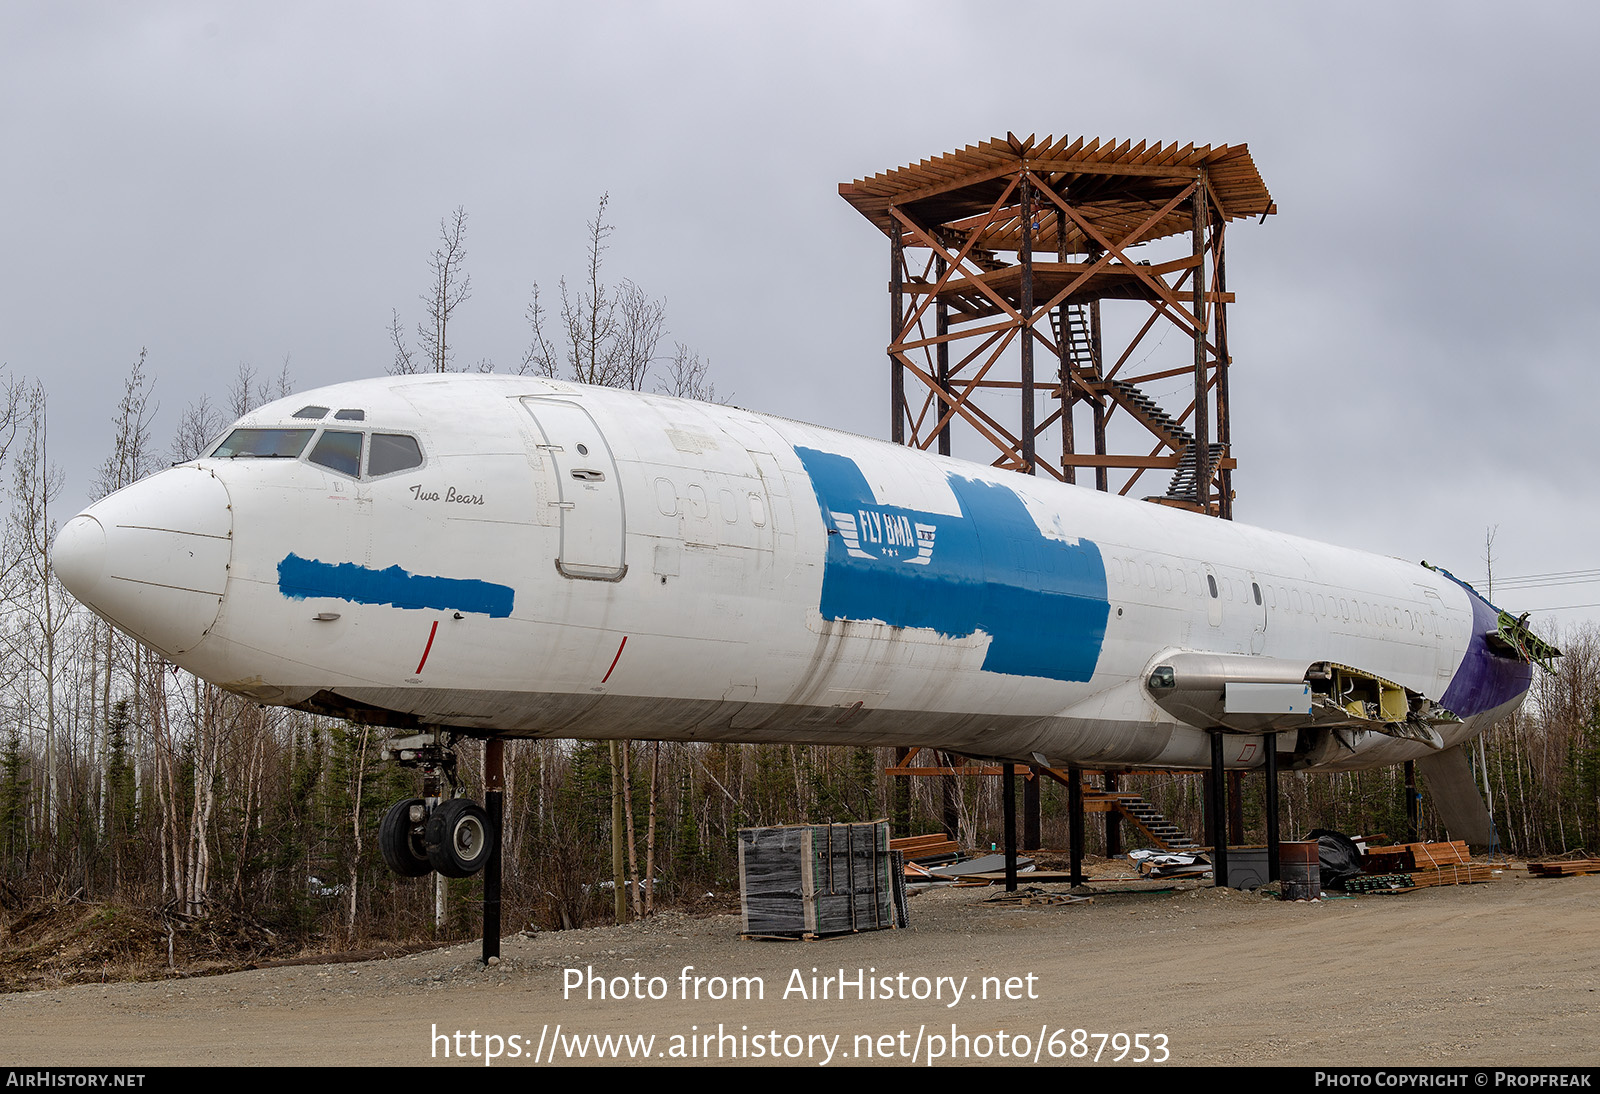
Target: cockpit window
{"x": 314, "y": 413}
{"x": 392, "y": 452}
{"x": 351, "y": 415}
{"x": 267, "y": 444}
{"x": 339, "y": 452}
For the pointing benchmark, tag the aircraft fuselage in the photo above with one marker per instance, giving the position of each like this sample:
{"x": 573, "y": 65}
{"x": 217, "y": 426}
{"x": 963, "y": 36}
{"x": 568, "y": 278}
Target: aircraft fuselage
{"x": 529, "y": 558}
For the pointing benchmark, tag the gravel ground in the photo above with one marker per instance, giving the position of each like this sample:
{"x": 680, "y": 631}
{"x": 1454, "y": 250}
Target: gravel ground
{"x": 1494, "y": 974}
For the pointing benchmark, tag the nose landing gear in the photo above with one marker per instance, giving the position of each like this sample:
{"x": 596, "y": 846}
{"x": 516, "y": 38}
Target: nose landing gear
{"x": 450, "y": 835}
{"x": 453, "y": 837}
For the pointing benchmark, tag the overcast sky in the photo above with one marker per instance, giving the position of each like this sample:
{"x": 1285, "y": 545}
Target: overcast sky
{"x": 1414, "y": 335}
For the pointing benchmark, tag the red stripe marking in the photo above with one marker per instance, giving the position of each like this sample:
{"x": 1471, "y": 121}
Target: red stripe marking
{"x": 427, "y": 649}
{"x": 614, "y": 661}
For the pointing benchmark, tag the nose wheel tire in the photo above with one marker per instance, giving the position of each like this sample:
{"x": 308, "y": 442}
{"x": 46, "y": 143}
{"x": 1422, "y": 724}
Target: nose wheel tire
{"x": 458, "y": 838}
{"x": 402, "y": 847}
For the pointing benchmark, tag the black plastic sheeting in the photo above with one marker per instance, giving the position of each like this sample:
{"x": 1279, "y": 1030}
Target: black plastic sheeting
{"x": 819, "y": 879}
{"x": 1338, "y": 857}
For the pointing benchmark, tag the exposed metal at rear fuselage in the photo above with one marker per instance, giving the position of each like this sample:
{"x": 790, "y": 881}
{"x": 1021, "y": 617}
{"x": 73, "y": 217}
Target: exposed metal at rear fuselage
{"x": 565, "y": 561}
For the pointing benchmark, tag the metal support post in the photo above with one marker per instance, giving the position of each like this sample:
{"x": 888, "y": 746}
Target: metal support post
{"x": 1219, "y": 812}
{"x": 1413, "y": 802}
{"x": 1030, "y": 811}
{"x": 897, "y": 372}
{"x": 494, "y": 784}
{"x": 1009, "y": 780}
{"x": 1202, "y": 439}
{"x": 1025, "y": 258}
{"x": 1075, "y": 813}
{"x": 1273, "y": 873}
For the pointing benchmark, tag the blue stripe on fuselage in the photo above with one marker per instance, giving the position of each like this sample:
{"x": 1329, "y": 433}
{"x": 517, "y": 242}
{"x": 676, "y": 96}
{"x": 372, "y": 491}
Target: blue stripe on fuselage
{"x": 1041, "y": 601}
{"x": 299, "y": 578}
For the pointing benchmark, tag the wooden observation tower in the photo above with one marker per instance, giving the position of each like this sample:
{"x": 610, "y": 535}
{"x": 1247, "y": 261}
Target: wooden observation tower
{"x": 1000, "y": 258}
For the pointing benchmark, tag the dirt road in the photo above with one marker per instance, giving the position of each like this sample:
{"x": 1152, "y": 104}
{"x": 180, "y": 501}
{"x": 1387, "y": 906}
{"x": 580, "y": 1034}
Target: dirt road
{"x": 1503, "y": 973}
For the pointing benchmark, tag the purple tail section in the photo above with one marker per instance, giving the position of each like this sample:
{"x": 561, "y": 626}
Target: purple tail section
{"x": 1485, "y": 680}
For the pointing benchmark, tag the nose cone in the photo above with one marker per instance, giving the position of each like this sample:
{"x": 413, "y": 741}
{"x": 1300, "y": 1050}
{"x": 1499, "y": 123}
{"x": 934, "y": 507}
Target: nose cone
{"x": 153, "y": 557}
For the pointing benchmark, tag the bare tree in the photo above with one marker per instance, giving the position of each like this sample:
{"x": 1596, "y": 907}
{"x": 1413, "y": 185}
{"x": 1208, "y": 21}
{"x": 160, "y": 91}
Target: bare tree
{"x": 35, "y": 610}
{"x": 203, "y": 420}
{"x": 609, "y": 333}
{"x": 641, "y": 324}
{"x": 250, "y": 389}
{"x": 542, "y": 357}
{"x": 131, "y": 457}
{"x": 404, "y": 360}
{"x": 688, "y": 377}
{"x": 450, "y": 289}
{"x": 199, "y": 425}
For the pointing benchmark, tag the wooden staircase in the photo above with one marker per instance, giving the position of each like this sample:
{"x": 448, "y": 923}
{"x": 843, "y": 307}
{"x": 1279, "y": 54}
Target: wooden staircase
{"x": 1132, "y": 808}
{"x": 1143, "y": 816}
{"x": 1185, "y": 485}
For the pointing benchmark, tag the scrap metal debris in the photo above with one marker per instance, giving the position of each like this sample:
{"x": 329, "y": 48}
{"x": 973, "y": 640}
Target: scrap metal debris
{"x": 1170, "y": 864}
{"x": 1035, "y": 896}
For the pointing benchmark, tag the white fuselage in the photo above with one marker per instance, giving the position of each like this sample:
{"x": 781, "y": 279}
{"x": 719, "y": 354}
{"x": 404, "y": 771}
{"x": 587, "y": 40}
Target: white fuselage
{"x": 567, "y": 561}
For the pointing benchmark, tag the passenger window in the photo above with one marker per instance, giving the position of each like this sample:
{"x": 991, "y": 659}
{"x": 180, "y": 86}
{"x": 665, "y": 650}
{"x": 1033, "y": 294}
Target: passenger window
{"x": 666, "y": 498}
{"x": 391, "y": 452}
{"x": 339, "y": 452}
{"x": 697, "y": 502}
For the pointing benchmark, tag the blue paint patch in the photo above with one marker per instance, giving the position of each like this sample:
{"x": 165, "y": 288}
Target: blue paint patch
{"x": 300, "y": 578}
{"x": 1042, "y": 601}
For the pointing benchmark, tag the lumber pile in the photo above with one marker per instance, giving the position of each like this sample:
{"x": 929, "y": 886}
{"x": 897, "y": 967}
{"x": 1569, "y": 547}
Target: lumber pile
{"x": 933, "y": 845}
{"x": 1403, "y": 858}
{"x": 1432, "y": 855}
{"x": 1571, "y": 867}
{"x": 1387, "y": 860}
{"x": 1425, "y": 864}
{"x": 1455, "y": 873}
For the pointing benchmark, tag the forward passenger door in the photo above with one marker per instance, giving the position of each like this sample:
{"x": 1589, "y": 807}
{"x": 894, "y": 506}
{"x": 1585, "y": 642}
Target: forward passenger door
{"x": 588, "y": 490}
